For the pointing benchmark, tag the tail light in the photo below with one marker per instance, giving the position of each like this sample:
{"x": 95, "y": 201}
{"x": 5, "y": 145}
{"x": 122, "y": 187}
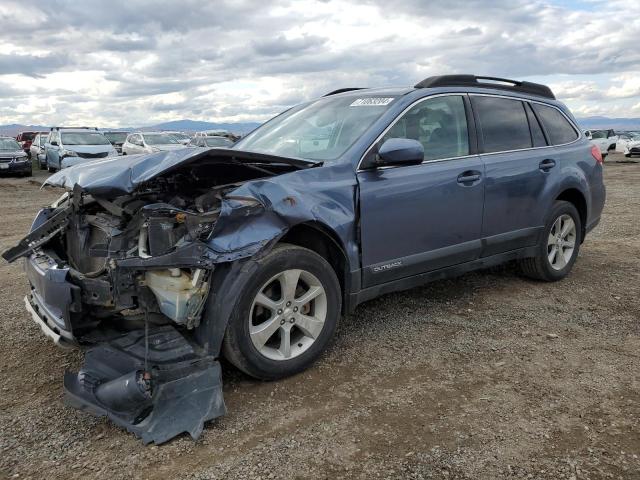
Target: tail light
{"x": 595, "y": 151}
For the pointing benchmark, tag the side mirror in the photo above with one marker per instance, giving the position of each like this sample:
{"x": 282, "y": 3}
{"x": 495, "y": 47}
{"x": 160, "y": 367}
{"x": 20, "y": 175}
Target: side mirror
{"x": 54, "y": 143}
{"x": 400, "y": 151}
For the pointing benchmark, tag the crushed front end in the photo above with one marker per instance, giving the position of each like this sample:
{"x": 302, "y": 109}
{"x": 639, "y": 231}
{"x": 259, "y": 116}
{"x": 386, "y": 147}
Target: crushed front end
{"x": 124, "y": 270}
{"x": 142, "y": 369}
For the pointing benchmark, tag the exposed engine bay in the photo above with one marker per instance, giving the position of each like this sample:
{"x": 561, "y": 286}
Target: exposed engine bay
{"x": 126, "y": 272}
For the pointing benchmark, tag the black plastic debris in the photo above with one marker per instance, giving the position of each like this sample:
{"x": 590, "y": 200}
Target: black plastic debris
{"x": 180, "y": 390}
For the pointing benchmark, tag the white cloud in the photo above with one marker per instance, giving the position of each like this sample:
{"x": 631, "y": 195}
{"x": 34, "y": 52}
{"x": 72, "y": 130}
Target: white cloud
{"x": 136, "y": 62}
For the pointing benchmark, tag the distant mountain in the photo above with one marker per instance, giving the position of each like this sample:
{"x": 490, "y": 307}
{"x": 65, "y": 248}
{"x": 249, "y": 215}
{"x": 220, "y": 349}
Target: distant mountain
{"x": 180, "y": 125}
{"x": 14, "y": 129}
{"x": 197, "y": 126}
{"x": 606, "y": 122}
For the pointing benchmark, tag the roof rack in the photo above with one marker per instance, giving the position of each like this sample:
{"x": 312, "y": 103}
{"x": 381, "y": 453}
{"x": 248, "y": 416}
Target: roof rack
{"x": 342, "y": 90}
{"x": 486, "y": 82}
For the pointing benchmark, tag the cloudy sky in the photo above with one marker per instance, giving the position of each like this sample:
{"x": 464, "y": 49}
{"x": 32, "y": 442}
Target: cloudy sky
{"x": 139, "y": 62}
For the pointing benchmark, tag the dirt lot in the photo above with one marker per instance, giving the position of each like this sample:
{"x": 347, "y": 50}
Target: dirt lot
{"x": 482, "y": 377}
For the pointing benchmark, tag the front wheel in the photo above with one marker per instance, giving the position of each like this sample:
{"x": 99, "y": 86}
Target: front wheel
{"x": 559, "y": 246}
{"x": 285, "y": 314}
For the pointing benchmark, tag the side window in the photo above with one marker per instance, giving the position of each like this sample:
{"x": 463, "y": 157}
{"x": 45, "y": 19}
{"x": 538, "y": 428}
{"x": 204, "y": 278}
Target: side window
{"x": 557, "y": 126}
{"x": 439, "y": 123}
{"x": 536, "y": 131}
{"x": 503, "y": 123}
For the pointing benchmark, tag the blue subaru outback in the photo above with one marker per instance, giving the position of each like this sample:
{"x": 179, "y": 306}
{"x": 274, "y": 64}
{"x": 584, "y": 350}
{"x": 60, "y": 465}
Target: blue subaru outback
{"x": 160, "y": 264}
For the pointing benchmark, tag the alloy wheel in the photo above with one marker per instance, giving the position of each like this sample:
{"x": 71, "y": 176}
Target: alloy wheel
{"x": 287, "y": 314}
{"x": 561, "y": 242}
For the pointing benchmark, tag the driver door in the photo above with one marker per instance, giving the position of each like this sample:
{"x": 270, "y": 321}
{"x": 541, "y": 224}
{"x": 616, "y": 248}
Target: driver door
{"x": 420, "y": 218}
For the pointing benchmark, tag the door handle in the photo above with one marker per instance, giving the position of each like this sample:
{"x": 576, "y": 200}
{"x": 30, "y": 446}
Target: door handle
{"x": 469, "y": 176}
{"x": 547, "y": 164}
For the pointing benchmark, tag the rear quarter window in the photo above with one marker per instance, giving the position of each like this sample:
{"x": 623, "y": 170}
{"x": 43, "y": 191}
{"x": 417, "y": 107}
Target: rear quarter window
{"x": 503, "y": 123}
{"x": 557, "y": 126}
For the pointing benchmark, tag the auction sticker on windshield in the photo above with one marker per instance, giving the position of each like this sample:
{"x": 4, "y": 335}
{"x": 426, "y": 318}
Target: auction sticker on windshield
{"x": 372, "y": 102}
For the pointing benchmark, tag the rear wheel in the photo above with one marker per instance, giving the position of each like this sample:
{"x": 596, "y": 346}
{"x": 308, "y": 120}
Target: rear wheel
{"x": 558, "y": 249}
{"x": 285, "y": 314}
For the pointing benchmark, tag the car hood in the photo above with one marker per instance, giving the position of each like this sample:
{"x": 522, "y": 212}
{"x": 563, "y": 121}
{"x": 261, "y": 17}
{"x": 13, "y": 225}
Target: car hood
{"x": 11, "y": 153}
{"x": 121, "y": 175}
{"x": 89, "y": 148}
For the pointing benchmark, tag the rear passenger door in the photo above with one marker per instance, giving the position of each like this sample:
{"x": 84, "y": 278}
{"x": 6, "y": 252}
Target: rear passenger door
{"x": 518, "y": 168}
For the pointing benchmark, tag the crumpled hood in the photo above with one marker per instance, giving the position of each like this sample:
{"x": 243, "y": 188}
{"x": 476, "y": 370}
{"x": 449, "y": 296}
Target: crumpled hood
{"x": 121, "y": 175}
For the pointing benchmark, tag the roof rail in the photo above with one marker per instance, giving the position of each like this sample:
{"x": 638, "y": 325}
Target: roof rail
{"x": 487, "y": 82}
{"x": 342, "y": 90}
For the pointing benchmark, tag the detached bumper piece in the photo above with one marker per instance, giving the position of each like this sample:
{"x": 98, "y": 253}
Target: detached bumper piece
{"x": 185, "y": 389}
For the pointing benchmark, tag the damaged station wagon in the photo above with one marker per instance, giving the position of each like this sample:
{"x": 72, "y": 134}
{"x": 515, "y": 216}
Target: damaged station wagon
{"x": 160, "y": 264}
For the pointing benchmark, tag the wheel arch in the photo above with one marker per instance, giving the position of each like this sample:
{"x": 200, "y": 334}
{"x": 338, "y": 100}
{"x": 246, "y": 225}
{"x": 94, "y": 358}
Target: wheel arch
{"x": 578, "y": 200}
{"x": 321, "y": 239}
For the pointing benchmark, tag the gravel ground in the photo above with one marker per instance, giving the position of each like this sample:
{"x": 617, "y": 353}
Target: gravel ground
{"x": 487, "y": 376}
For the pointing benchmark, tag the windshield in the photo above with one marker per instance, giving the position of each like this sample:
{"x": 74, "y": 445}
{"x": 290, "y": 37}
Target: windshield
{"x": 159, "y": 139}
{"x": 217, "y": 142}
{"x": 598, "y": 134}
{"x": 181, "y": 136}
{"x": 26, "y": 136}
{"x": 43, "y": 140}
{"x": 9, "y": 144}
{"x": 322, "y": 130}
{"x": 84, "y": 138}
{"x": 116, "y": 137}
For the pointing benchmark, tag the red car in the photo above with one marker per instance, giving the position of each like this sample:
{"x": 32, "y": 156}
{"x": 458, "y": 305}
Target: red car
{"x": 25, "y": 139}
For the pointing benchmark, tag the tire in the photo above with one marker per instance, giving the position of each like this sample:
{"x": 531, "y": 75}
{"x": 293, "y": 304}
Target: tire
{"x": 242, "y": 347}
{"x": 541, "y": 267}
{"x": 50, "y": 169}
{"x": 29, "y": 173}
{"x": 628, "y": 155}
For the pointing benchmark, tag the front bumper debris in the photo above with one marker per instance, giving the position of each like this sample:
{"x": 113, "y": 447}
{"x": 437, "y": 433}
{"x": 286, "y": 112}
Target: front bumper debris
{"x": 185, "y": 388}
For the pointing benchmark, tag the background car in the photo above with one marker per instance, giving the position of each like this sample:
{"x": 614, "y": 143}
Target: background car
{"x": 71, "y": 146}
{"x": 116, "y": 138}
{"x": 632, "y": 148}
{"x": 208, "y": 142}
{"x": 37, "y": 149}
{"x": 604, "y": 139}
{"x": 149, "y": 142}
{"x": 13, "y": 159}
{"x": 624, "y": 139}
{"x": 217, "y": 133}
{"x": 25, "y": 139}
